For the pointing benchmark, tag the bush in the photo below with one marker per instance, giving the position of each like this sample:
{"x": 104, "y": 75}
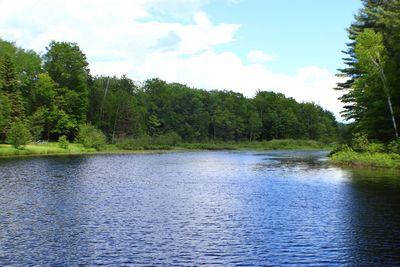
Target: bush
{"x": 18, "y": 135}
{"x": 341, "y": 148}
{"x": 168, "y": 139}
{"x": 360, "y": 142}
{"x": 133, "y": 144}
{"x": 393, "y": 147}
{"x": 63, "y": 142}
{"x": 376, "y": 148}
{"x": 127, "y": 144}
{"x": 375, "y": 160}
{"x": 91, "y": 137}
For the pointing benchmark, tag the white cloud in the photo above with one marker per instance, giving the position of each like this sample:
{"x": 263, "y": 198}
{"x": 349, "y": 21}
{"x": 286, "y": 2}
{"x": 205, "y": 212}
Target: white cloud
{"x": 123, "y": 37}
{"x": 258, "y": 56}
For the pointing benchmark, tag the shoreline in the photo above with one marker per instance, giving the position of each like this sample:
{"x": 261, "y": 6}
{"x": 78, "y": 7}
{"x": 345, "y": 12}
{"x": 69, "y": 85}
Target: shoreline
{"x": 52, "y": 149}
{"x": 366, "y": 160}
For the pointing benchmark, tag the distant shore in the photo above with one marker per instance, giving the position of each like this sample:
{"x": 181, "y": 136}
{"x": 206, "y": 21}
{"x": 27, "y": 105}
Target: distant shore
{"x": 52, "y": 148}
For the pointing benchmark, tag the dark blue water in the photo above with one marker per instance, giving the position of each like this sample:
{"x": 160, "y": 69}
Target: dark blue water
{"x": 190, "y": 209}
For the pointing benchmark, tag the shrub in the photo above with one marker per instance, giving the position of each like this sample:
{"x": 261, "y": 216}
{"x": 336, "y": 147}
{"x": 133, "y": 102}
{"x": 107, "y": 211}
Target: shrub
{"x": 167, "y": 139}
{"x": 18, "y": 135}
{"x": 130, "y": 144}
{"x": 393, "y": 147}
{"x": 91, "y": 137}
{"x": 341, "y": 148}
{"x": 376, "y": 148}
{"x": 360, "y": 142}
{"x": 63, "y": 142}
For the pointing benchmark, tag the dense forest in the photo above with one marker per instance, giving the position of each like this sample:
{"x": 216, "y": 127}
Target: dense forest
{"x": 53, "y": 94}
{"x": 372, "y": 94}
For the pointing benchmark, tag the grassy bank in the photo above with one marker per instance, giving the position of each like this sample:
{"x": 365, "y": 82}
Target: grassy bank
{"x": 42, "y": 149}
{"x": 366, "y": 159}
{"x": 74, "y": 149}
{"x": 285, "y": 144}
{"x": 53, "y": 148}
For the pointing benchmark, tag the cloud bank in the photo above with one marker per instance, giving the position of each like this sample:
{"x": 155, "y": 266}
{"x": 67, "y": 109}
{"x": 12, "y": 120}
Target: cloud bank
{"x": 175, "y": 41}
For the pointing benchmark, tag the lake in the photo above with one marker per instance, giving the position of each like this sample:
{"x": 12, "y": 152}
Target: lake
{"x": 197, "y": 208}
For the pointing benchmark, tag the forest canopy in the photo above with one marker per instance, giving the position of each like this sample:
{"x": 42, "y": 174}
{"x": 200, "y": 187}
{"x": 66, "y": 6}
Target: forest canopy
{"x": 55, "y": 94}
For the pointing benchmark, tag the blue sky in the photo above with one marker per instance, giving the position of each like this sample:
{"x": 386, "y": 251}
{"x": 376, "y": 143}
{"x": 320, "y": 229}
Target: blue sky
{"x": 292, "y": 47}
{"x": 301, "y": 33}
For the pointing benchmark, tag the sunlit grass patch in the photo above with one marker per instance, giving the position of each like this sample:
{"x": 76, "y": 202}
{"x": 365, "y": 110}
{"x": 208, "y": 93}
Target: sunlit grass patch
{"x": 367, "y": 159}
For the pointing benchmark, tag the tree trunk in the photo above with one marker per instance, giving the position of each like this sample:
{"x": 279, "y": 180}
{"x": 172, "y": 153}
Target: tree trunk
{"x": 393, "y": 118}
{"x": 378, "y": 64}
{"x": 115, "y": 124}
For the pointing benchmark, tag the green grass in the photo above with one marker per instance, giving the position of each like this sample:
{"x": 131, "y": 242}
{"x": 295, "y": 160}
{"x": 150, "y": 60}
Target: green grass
{"x": 366, "y": 159}
{"x": 52, "y": 148}
{"x": 42, "y": 149}
{"x": 284, "y": 144}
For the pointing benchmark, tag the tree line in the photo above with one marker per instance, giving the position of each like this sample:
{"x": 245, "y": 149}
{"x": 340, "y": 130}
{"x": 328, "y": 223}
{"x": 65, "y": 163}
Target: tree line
{"x": 54, "y": 94}
{"x": 372, "y": 93}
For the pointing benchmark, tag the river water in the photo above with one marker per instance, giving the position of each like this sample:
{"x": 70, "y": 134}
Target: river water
{"x": 198, "y": 208}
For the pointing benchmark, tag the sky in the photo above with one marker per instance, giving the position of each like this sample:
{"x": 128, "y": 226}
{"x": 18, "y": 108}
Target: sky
{"x": 287, "y": 46}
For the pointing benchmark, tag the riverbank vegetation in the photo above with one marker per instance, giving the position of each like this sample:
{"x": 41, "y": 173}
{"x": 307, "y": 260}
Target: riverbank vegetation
{"x": 363, "y": 153}
{"x": 372, "y": 93}
{"x": 147, "y": 146}
{"x": 54, "y": 98}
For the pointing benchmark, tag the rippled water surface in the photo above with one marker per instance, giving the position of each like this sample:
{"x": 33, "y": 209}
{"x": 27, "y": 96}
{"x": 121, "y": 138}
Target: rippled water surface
{"x": 204, "y": 208}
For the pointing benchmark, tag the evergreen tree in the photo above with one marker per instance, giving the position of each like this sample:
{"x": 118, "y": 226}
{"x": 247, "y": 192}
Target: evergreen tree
{"x": 8, "y": 75}
{"x": 11, "y": 90}
{"x": 371, "y": 93}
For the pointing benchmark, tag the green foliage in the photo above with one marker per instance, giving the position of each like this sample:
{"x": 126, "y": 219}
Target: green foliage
{"x": 67, "y": 66}
{"x": 57, "y": 99}
{"x": 8, "y": 75}
{"x": 210, "y": 146}
{"x": 371, "y": 95}
{"x": 341, "y": 148}
{"x": 131, "y": 144}
{"x": 44, "y": 91}
{"x": 17, "y": 103}
{"x": 374, "y": 160}
{"x": 376, "y": 148}
{"x": 165, "y": 141}
{"x": 285, "y": 118}
{"x": 91, "y": 137}
{"x": 5, "y": 111}
{"x": 138, "y": 143}
{"x": 169, "y": 139}
{"x": 370, "y": 51}
{"x": 63, "y": 142}
{"x": 27, "y": 65}
{"x": 61, "y": 122}
{"x": 37, "y": 121}
{"x": 10, "y": 87}
{"x": 360, "y": 142}
{"x": 48, "y": 148}
{"x": 18, "y": 135}
{"x": 393, "y": 147}
{"x": 291, "y": 144}
{"x": 154, "y": 125}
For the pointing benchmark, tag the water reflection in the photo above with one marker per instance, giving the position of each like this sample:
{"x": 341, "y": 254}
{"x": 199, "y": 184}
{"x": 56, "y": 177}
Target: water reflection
{"x": 375, "y": 220}
{"x": 211, "y": 208}
{"x": 40, "y": 220}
